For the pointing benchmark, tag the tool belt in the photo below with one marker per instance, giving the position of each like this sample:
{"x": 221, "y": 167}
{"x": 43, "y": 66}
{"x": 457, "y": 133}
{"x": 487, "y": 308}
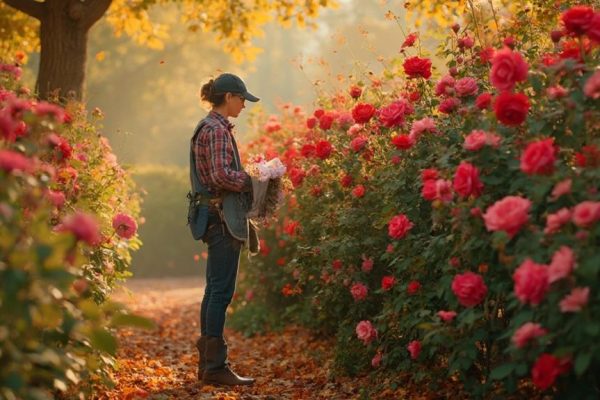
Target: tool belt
{"x": 199, "y": 199}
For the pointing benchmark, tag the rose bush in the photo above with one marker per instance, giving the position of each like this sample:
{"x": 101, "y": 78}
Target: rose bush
{"x": 478, "y": 208}
{"x": 68, "y": 225}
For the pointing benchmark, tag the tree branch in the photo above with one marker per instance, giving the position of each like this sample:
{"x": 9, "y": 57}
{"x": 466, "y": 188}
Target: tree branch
{"x": 94, "y": 10}
{"x": 30, "y": 7}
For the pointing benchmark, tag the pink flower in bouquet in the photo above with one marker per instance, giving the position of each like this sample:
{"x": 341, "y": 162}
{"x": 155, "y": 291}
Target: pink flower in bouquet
{"x": 393, "y": 114}
{"x": 511, "y": 108}
{"x": 539, "y": 157}
{"x": 366, "y": 332}
{"x": 387, "y": 282}
{"x": 508, "y": 68}
{"x": 445, "y": 87}
{"x": 446, "y": 316}
{"x": 578, "y": 19}
{"x": 367, "y": 264}
{"x": 363, "y": 112}
{"x": 586, "y": 213}
{"x": 546, "y": 369}
{"x": 466, "y": 86}
{"x": 14, "y": 161}
{"x": 508, "y": 214}
{"x": 359, "y": 143}
{"x": 399, "y": 226}
{"x": 416, "y": 67}
{"x": 477, "y": 139}
{"x": 466, "y": 180}
{"x": 323, "y": 149}
{"x": 124, "y": 225}
{"x": 555, "y": 221}
{"x": 449, "y": 105}
{"x": 563, "y": 263}
{"x": 592, "y": 86}
{"x": 376, "y": 361}
{"x": 359, "y": 291}
{"x": 576, "y": 300}
{"x": 561, "y": 188}
{"x": 483, "y": 101}
{"x": 421, "y": 126}
{"x": 403, "y": 141}
{"x": 413, "y": 287}
{"x": 526, "y": 333}
{"x": 414, "y": 348}
{"x": 531, "y": 282}
{"x": 83, "y": 226}
{"x": 439, "y": 189}
{"x": 358, "y": 191}
{"x": 469, "y": 288}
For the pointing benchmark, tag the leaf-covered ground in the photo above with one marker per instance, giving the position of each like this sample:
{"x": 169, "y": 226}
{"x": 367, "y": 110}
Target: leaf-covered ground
{"x": 161, "y": 363}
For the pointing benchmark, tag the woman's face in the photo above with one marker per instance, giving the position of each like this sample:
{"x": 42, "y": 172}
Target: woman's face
{"x": 235, "y": 104}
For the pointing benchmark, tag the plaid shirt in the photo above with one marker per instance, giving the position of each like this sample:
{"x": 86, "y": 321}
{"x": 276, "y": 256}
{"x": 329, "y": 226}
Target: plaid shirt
{"x": 214, "y": 149}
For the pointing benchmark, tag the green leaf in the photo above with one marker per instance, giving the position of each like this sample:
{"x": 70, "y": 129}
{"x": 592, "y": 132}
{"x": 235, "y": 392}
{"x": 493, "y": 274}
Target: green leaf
{"x": 582, "y": 362}
{"x": 502, "y": 371}
{"x": 132, "y": 320}
{"x": 104, "y": 341}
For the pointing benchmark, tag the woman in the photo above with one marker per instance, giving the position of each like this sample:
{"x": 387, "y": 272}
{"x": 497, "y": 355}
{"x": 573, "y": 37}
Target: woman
{"x": 221, "y": 193}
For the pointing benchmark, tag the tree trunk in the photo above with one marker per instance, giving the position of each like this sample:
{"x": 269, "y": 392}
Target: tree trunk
{"x": 63, "y": 53}
{"x": 64, "y": 26}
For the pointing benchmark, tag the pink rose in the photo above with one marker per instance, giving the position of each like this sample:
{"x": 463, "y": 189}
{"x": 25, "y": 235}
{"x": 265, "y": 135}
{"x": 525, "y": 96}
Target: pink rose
{"x": 531, "y": 282}
{"x": 445, "y": 87}
{"x": 466, "y": 87}
{"x": 83, "y": 226}
{"x": 469, "y": 288}
{"x": 446, "y": 316}
{"x": 421, "y": 126}
{"x": 399, "y": 226}
{"x": 586, "y": 213}
{"x": 563, "y": 262}
{"x": 449, "y": 105}
{"x": 556, "y": 92}
{"x": 366, "y": 332}
{"x": 508, "y": 68}
{"x": 376, "y": 361}
{"x": 359, "y": 291}
{"x": 576, "y": 300}
{"x": 478, "y": 138}
{"x": 393, "y": 114}
{"x": 539, "y": 157}
{"x": 439, "y": 189}
{"x": 363, "y": 112}
{"x": 124, "y": 225}
{"x": 561, "y": 188}
{"x": 508, "y": 214}
{"x": 387, "y": 282}
{"x": 527, "y": 332}
{"x": 414, "y": 348}
{"x": 358, "y": 191}
{"x": 358, "y": 143}
{"x": 592, "y": 86}
{"x": 14, "y": 161}
{"x": 57, "y": 198}
{"x": 367, "y": 264}
{"x": 466, "y": 180}
{"x": 555, "y": 221}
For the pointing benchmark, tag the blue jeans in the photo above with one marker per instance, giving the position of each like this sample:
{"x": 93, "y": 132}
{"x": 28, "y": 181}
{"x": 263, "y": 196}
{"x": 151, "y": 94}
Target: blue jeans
{"x": 221, "y": 274}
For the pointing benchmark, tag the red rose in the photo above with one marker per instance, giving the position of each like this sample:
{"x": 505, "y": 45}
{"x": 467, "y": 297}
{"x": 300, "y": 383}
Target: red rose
{"x": 387, "y": 282}
{"x": 469, "y": 288}
{"x": 308, "y": 150}
{"x": 413, "y": 287}
{"x": 399, "y": 226}
{"x": 402, "y": 141}
{"x": 466, "y": 180}
{"x": 393, "y": 115}
{"x": 594, "y": 31}
{"x": 346, "y": 180}
{"x": 326, "y": 121}
{"x": 410, "y": 40}
{"x": 428, "y": 174}
{"x": 546, "y": 369}
{"x": 531, "y": 282}
{"x": 578, "y": 19}
{"x": 449, "y": 105}
{"x": 363, "y": 112}
{"x": 539, "y": 157}
{"x": 416, "y": 67}
{"x": 296, "y": 176}
{"x": 311, "y": 122}
{"x": 358, "y": 191}
{"x": 358, "y": 143}
{"x": 319, "y": 113}
{"x": 508, "y": 68}
{"x": 511, "y": 108}
{"x": 323, "y": 149}
{"x": 337, "y": 264}
{"x": 483, "y": 101}
{"x": 355, "y": 92}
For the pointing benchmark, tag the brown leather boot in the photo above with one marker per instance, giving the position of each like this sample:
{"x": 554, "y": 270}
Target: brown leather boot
{"x": 217, "y": 370}
{"x": 201, "y": 346}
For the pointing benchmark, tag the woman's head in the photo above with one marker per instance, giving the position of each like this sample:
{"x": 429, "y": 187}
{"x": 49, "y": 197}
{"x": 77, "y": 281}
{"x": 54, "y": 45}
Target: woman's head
{"x": 227, "y": 94}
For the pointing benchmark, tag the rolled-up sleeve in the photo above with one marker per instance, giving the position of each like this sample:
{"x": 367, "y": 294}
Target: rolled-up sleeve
{"x": 221, "y": 157}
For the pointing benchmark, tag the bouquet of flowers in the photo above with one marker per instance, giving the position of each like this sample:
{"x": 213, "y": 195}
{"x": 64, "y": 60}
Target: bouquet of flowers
{"x": 268, "y": 185}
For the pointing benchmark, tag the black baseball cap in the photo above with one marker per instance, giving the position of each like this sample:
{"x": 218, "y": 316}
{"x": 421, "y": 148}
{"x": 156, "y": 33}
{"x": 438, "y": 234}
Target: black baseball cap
{"x": 232, "y": 83}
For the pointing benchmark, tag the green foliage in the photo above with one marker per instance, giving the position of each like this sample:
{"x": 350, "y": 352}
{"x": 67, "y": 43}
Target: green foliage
{"x": 60, "y": 254}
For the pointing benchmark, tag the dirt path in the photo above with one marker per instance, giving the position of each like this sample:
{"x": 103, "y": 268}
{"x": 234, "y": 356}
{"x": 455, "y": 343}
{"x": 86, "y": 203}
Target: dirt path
{"x": 161, "y": 364}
